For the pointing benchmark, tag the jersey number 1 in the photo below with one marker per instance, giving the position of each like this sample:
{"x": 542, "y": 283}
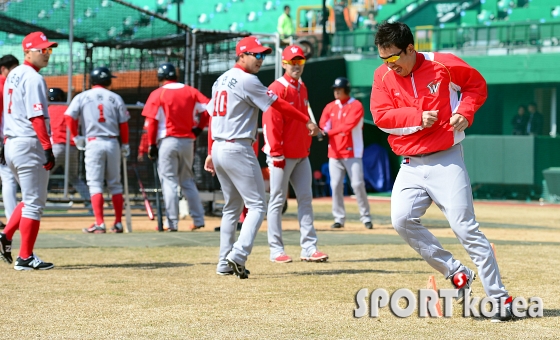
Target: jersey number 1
{"x": 101, "y": 117}
{"x": 220, "y": 104}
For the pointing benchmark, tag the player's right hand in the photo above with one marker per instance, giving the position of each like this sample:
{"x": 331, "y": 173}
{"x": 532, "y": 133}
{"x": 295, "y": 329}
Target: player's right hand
{"x": 196, "y": 131}
{"x": 2, "y": 158}
{"x": 313, "y": 128}
{"x": 279, "y": 162}
{"x": 80, "y": 142}
{"x": 153, "y": 152}
{"x": 49, "y": 156}
{"x": 209, "y": 165}
{"x": 429, "y": 118}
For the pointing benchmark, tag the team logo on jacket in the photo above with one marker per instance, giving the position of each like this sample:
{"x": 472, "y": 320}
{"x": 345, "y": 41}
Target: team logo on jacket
{"x": 38, "y": 107}
{"x": 433, "y": 86}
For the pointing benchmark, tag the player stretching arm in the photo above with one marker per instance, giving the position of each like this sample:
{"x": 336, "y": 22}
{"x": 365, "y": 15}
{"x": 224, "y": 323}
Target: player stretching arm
{"x": 237, "y": 96}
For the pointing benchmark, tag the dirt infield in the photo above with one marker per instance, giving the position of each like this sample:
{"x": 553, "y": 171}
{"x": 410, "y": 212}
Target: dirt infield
{"x": 149, "y": 285}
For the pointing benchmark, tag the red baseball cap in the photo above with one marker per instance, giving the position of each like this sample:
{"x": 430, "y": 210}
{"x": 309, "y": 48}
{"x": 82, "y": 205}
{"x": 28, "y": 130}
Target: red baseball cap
{"x": 37, "y": 40}
{"x": 291, "y": 52}
{"x": 251, "y": 44}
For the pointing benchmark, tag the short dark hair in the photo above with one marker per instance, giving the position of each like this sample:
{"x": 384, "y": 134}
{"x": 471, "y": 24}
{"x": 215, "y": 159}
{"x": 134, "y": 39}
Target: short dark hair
{"x": 8, "y": 61}
{"x": 533, "y": 104}
{"x": 393, "y": 33}
{"x": 286, "y": 7}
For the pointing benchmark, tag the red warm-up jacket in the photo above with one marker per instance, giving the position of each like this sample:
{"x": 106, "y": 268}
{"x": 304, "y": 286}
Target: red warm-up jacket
{"x": 284, "y": 136}
{"x": 438, "y": 81}
{"x": 344, "y": 121}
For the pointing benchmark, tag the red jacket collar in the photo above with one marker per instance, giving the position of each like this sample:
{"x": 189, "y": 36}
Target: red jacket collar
{"x": 343, "y": 102}
{"x": 291, "y": 80}
{"x": 25, "y": 62}
{"x": 419, "y": 60}
{"x": 240, "y": 67}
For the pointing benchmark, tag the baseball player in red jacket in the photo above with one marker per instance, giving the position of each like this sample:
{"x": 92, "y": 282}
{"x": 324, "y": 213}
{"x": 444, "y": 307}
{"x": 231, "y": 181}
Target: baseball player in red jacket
{"x": 343, "y": 120}
{"x": 425, "y": 101}
{"x": 170, "y": 116}
{"x": 287, "y": 144}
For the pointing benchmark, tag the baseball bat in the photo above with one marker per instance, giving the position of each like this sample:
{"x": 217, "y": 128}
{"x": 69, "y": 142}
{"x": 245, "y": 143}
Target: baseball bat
{"x": 158, "y": 204}
{"x": 147, "y": 204}
{"x": 312, "y": 117}
{"x": 126, "y": 197}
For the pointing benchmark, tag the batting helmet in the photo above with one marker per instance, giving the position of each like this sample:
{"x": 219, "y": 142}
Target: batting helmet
{"x": 341, "y": 82}
{"x": 166, "y": 71}
{"x": 56, "y": 95}
{"x": 101, "y": 76}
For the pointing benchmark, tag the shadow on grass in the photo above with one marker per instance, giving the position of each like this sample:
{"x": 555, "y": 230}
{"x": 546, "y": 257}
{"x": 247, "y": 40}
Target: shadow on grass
{"x": 547, "y": 313}
{"x": 142, "y": 266}
{"x": 345, "y": 272}
{"x": 387, "y": 259}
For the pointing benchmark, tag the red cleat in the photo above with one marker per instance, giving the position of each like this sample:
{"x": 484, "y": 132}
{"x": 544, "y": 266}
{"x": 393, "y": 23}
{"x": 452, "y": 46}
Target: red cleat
{"x": 282, "y": 258}
{"x": 317, "y": 256}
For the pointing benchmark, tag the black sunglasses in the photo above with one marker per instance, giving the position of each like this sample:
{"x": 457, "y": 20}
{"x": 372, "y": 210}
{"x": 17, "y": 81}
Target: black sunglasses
{"x": 258, "y": 56}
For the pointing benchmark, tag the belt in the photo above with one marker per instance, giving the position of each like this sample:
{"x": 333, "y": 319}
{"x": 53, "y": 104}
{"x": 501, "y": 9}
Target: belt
{"x": 94, "y": 138}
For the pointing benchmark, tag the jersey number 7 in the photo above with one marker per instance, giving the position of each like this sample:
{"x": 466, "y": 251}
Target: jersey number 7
{"x": 220, "y": 104}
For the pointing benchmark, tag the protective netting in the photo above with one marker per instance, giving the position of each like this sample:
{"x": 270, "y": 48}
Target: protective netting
{"x": 131, "y": 42}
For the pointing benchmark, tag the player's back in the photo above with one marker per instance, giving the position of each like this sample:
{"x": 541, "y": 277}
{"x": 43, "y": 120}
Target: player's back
{"x": 100, "y": 111}
{"x": 237, "y": 97}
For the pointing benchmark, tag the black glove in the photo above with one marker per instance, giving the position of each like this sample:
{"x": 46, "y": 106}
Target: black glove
{"x": 2, "y": 159}
{"x": 50, "y": 160}
{"x": 197, "y": 131}
{"x": 153, "y": 152}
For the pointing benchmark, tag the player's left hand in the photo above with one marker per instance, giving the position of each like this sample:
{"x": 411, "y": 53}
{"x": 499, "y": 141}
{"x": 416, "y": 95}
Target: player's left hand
{"x": 197, "y": 131}
{"x": 313, "y": 128}
{"x": 153, "y": 152}
{"x": 2, "y": 158}
{"x": 49, "y": 156}
{"x": 209, "y": 165}
{"x": 459, "y": 122}
{"x": 125, "y": 150}
{"x": 279, "y": 162}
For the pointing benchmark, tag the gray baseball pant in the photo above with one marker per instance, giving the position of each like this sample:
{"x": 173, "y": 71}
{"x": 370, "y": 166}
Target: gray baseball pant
{"x": 103, "y": 161}
{"x": 337, "y": 171}
{"x": 242, "y": 184}
{"x": 297, "y": 172}
{"x": 9, "y": 190}
{"x": 443, "y": 179}
{"x": 175, "y": 168}
{"x": 25, "y": 157}
{"x": 59, "y": 151}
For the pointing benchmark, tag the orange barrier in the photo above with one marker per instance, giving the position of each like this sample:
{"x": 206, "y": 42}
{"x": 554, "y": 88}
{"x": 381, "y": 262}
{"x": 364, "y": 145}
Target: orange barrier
{"x": 432, "y": 285}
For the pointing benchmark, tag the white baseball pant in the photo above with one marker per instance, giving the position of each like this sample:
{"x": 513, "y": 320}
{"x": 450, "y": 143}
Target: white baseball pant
{"x": 297, "y": 171}
{"x": 443, "y": 179}
{"x": 59, "y": 151}
{"x": 9, "y": 190}
{"x": 25, "y": 157}
{"x": 103, "y": 161}
{"x": 242, "y": 184}
{"x": 337, "y": 172}
{"x": 175, "y": 162}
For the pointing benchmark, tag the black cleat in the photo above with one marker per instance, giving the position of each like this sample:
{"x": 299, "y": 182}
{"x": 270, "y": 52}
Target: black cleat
{"x": 337, "y": 225}
{"x": 238, "y": 269}
{"x": 32, "y": 263}
{"x": 368, "y": 225}
{"x": 507, "y": 314}
{"x": 117, "y": 228}
{"x": 5, "y": 249}
{"x": 226, "y": 273}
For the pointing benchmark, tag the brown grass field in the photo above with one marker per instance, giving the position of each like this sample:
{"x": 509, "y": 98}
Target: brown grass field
{"x": 122, "y": 289}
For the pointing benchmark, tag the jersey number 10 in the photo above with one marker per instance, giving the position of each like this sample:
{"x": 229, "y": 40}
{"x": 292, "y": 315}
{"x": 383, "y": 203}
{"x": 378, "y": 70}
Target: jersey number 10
{"x": 101, "y": 116}
{"x": 220, "y": 104}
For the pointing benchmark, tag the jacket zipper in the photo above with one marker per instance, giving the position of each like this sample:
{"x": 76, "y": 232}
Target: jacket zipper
{"x": 413, "y": 85}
